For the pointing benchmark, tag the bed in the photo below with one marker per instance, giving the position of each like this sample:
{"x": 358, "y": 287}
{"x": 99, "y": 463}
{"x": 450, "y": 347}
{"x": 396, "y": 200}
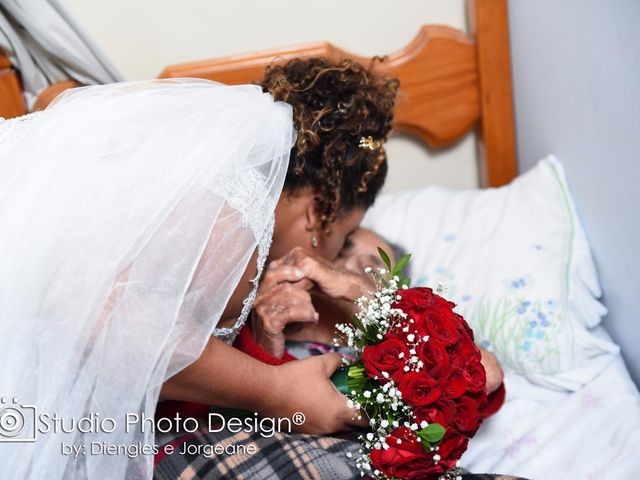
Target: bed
{"x": 578, "y": 419}
{"x": 575, "y": 416}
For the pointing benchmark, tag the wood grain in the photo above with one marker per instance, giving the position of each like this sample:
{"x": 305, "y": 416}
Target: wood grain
{"x": 439, "y": 97}
{"x": 11, "y": 102}
{"x": 489, "y": 22}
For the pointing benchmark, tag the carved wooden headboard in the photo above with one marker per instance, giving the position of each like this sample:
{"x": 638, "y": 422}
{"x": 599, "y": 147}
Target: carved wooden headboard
{"x": 450, "y": 82}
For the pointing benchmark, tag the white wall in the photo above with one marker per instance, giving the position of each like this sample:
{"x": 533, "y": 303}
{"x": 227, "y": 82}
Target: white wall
{"x": 576, "y": 66}
{"x": 141, "y": 37}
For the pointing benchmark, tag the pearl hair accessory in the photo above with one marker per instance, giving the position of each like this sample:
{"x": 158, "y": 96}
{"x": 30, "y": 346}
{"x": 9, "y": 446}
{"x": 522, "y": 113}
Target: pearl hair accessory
{"x": 370, "y": 143}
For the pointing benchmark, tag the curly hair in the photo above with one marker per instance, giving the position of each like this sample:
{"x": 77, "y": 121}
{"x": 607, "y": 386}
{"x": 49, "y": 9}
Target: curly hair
{"x": 335, "y": 105}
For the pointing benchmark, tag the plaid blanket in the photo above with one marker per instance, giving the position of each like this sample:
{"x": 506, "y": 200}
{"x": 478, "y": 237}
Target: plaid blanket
{"x": 251, "y": 456}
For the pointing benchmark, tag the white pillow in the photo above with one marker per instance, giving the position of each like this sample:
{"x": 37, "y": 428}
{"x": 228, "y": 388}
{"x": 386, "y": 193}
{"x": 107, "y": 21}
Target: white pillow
{"x": 516, "y": 262}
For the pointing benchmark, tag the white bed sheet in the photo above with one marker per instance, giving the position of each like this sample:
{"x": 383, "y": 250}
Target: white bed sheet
{"x": 545, "y": 434}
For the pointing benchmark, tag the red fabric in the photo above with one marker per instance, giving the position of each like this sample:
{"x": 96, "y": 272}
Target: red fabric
{"x": 246, "y": 343}
{"x": 494, "y": 401}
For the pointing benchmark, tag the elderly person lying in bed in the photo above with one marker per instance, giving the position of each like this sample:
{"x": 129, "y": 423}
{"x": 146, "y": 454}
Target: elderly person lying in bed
{"x": 298, "y": 314}
{"x": 288, "y": 310}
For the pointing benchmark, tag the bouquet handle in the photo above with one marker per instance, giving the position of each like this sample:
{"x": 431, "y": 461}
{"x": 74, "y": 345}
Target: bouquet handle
{"x": 340, "y": 379}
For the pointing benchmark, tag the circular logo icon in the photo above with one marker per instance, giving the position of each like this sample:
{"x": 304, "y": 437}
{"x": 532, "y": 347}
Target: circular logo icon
{"x": 11, "y": 422}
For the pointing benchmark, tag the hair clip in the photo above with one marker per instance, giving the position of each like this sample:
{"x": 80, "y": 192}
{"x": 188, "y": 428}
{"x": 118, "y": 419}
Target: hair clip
{"x": 369, "y": 143}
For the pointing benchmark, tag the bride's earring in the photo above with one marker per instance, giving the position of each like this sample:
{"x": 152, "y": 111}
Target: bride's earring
{"x": 314, "y": 241}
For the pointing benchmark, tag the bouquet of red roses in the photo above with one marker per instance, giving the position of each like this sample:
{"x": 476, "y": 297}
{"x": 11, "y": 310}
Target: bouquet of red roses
{"x": 417, "y": 376}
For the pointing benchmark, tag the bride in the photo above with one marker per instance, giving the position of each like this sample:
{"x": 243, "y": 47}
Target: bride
{"x": 135, "y": 220}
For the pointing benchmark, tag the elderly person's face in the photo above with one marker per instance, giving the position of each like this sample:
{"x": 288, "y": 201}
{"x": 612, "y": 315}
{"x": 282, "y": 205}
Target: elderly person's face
{"x": 361, "y": 251}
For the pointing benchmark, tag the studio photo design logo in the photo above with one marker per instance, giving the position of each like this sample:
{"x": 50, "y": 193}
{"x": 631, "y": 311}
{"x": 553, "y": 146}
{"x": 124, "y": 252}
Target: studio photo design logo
{"x": 17, "y": 422}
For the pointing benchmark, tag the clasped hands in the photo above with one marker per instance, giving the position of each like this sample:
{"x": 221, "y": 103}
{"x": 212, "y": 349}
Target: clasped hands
{"x": 284, "y": 300}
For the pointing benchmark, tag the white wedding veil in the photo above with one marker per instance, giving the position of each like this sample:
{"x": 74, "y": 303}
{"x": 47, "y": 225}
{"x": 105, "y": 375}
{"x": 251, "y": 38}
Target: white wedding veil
{"x": 128, "y": 213}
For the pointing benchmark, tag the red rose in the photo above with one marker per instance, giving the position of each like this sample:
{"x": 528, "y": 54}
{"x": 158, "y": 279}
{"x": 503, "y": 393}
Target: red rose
{"x": 455, "y": 384}
{"x": 464, "y": 327}
{"x": 434, "y": 356}
{"x": 441, "y": 327}
{"x": 463, "y": 352}
{"x": 418, "y": 388}
{"x": 467, "y": 417}
{"x": 385, "y": 357}
{"x": 415, "y": 299}
{"x": 475, "y": 375}
{"x": 418, "y": 303}
{"x": 480, "y": 398}
{"x": 407, "y": 459}
{"x": 451, "y": 449}
{"x": 441, "y": 412}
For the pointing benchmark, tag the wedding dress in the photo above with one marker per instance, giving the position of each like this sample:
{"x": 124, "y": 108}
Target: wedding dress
{"x": 128, "y": 213}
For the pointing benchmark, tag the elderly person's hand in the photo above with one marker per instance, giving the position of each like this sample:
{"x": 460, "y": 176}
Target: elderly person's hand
{"x": 326, "y": 277}
{"x": 283, "y": 305}
{"x": 280, "y": 301}
{"x": 493, "y": 370}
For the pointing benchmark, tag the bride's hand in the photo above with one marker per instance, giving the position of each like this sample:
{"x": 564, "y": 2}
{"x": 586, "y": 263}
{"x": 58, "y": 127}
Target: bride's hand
{"x": 332, "y": 280}
{"x": 305, "y": 387}
{"x": 281, "y": 301}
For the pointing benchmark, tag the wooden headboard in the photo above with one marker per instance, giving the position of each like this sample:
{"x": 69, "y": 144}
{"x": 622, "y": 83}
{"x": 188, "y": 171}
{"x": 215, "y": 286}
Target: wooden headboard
{"x": 450, "y": 83}
{"x": 11, "y": 102}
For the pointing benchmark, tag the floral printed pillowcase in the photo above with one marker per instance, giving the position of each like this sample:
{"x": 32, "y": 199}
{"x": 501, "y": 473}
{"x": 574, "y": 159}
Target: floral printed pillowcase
{"x": 516, "y": 262}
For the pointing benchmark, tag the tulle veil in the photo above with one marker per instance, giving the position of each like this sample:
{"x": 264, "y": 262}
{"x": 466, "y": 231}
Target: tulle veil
{"x": 128, "y": 213}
